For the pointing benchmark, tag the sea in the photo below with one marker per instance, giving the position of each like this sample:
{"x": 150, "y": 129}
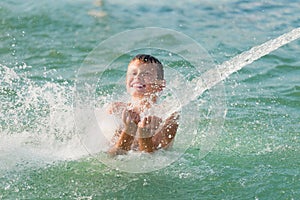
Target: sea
{"x": 62, "y": 62}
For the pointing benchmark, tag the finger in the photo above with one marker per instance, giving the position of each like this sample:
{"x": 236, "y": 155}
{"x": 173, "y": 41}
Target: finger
{"x": 157, "y": 124}
{"x": 153, "y": 122}
{"x": 128, "y": 119}
{"x": 159, "y": 121}
{"x": 124, "y": 115}
{"x": 148, "y": 120}
{"x": 142, "y": 123}
{"x": 137, "y": 119}
{"x": 154, "y": 125}
{"x": 132, "y": 116}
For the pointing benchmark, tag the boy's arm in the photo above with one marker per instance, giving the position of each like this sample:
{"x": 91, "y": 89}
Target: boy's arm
{"x": 146, "y": 144}
{"x": 145, "y": 129}
{"x": 166, "y": 135}
{"x": 127, "y": 135}
{"x": 122, "y": 145}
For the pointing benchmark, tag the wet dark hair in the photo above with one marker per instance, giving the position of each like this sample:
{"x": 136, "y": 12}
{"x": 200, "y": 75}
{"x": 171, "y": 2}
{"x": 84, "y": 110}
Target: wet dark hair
{"x": 144, "y": 58}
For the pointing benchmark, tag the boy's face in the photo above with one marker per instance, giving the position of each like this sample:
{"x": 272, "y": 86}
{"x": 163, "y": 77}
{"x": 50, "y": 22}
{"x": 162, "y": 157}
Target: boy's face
{"x": 141, "y": 79}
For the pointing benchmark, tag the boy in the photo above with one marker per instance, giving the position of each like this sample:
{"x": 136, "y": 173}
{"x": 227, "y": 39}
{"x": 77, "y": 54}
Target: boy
{"x": 144, "y": 80}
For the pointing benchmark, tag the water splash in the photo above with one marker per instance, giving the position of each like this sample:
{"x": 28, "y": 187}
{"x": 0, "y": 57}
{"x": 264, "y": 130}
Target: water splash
{"x": 209, "y": 78}
{"x": 36, "y": 120}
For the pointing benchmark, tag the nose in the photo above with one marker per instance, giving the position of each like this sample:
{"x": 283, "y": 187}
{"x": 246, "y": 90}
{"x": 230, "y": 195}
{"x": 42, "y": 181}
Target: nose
{"x": 138, "y": 76}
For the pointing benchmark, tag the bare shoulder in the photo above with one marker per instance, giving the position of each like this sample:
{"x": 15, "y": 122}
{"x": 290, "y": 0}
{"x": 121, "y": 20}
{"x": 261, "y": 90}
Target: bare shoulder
{"x": 116, "y": 107}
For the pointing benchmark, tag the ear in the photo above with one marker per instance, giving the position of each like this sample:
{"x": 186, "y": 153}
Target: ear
{"x": 163, "y": 83}
{"x": 160, "y": 84}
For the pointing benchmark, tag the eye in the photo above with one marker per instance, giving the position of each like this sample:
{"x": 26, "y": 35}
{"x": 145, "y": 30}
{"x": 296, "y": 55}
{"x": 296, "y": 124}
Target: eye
{"x": 134, "y": 73}
{"x": 146, "y": 73}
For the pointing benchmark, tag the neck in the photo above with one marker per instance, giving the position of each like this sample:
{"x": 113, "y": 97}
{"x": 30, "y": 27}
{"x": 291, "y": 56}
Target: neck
{"x": 144, "y": 102}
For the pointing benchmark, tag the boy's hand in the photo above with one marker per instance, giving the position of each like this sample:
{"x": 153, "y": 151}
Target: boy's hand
{"x": 130, "y": 120}
{"x": 148, "y": 126}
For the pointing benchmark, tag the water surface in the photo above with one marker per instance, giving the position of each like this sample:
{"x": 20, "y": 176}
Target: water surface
{"x": 43, "y": 44}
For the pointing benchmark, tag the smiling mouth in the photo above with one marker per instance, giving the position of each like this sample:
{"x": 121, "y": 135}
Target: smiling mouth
{"x": 138, "y": 85}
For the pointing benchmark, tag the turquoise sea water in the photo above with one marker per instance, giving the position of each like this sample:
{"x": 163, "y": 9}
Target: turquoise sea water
{"x": 42, "y": 46}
